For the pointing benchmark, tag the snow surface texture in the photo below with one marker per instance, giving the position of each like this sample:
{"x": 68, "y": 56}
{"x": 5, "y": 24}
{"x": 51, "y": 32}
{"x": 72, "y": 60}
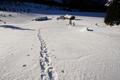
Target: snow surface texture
{"x": 55, "y": 50}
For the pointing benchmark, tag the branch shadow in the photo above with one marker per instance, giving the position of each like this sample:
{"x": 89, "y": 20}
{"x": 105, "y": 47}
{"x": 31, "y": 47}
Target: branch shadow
{"x": 14, "y": 27}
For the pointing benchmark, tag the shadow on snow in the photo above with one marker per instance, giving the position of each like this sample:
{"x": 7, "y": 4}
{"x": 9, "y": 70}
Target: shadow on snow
{"x": 14, "y": 27}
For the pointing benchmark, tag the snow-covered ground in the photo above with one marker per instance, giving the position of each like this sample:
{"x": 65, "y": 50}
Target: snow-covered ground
{"x": 54, "y": 50}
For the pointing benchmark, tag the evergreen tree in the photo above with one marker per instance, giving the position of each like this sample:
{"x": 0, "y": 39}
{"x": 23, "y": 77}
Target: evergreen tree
{"x": 113, "y": 13}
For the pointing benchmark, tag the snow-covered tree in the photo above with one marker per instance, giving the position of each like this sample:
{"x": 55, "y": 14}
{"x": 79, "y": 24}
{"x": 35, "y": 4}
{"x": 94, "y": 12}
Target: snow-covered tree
{"x": 113, "y": 12}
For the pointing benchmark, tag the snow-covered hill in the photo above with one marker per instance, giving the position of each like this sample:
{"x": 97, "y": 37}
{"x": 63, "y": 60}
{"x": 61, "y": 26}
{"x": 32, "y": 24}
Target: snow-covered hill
{"x": 55, "y": 50}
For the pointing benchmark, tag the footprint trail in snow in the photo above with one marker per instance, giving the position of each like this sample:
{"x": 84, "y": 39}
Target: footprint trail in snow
{"x": 47, "y": 70}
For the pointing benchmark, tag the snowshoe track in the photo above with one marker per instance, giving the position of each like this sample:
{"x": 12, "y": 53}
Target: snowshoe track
{"x": 47, "y": 70}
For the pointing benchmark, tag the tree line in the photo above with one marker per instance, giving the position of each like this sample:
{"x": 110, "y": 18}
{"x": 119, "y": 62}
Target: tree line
{"x": 83, "y": 5}
{"x": 113, "y": 13}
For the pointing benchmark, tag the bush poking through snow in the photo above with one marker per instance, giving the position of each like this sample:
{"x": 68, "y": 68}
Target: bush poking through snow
{"x": 69, "y": 17}
{"x": 41, "y": 19}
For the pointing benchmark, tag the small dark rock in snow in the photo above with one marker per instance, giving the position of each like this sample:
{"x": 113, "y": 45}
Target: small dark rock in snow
{"x": 96, "y": 24}
{"x": 28, "y": 55}
{"x": 88, "y": 29}
{"x": 24, "y": 65}
{"x": 10, "y": 15}
{"x": 62, "y": 71}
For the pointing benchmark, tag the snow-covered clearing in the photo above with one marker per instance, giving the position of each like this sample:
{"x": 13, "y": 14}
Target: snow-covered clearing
{"x": 54, "y": 50}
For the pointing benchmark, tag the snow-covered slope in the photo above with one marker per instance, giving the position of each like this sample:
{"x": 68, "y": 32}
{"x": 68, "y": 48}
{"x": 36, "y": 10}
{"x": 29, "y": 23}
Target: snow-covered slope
{"x": 54, "y": 50}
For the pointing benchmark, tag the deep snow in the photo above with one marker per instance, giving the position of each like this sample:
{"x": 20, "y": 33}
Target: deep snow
{"x": 30, "y": 49}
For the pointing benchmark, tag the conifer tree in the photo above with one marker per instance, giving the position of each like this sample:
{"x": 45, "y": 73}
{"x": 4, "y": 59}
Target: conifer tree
{"x": 113, "y": 13}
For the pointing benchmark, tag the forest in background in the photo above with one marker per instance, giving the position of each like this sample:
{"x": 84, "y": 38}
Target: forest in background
{"x": 82, "y": 5}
